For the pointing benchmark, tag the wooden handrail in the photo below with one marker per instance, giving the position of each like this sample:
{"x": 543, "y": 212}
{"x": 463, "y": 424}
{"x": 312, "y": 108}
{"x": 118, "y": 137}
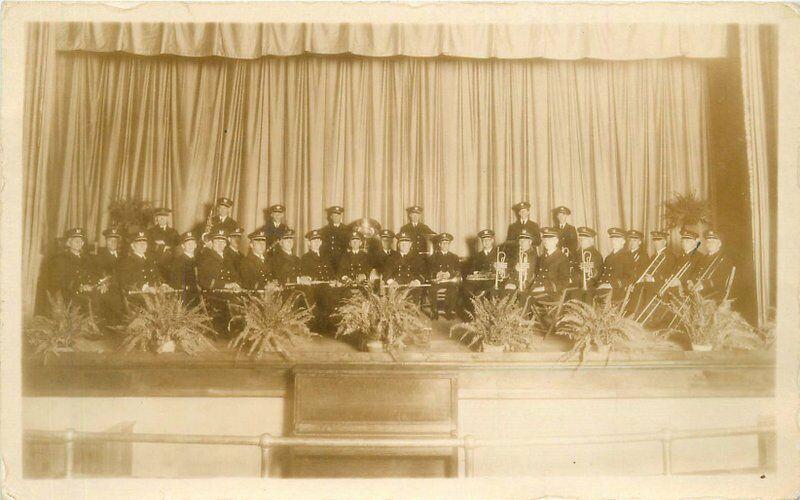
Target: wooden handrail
{"x": 469, "y": 443}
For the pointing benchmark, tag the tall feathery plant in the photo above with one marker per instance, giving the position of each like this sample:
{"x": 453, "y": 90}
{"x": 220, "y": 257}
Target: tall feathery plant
{"x": 65, "y": 328}
{"x": 497, "y": 321}
{"x": 707, "y": 322}
{"x": 130, "y": 215}
{"x": 389, "y": 316}
{"x": 270, "y": 322}
{"x": 162, "y": 322}
{"x": 686, "y": 210}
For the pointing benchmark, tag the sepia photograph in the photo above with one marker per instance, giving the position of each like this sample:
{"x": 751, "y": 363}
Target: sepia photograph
{"x": 399, "y": 241}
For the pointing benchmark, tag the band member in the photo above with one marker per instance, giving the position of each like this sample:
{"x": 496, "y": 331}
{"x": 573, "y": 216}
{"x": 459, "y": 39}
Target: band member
{"x": 162, "y": 236}
{"x": 335, "y": 236}
{"x": 717, "y": 267}
{"x": 387, "y": 250}
{"x": 417, "y": 230}
{"x": 138, "y": 271}
{"x": 255, "y": 268}
{"x": 355, "y": 265}
{"x": 641, "y": 260}
{"x": 315, "y": 267}
{"x": 522, "y": 211}
{"x": 553, "y": 270}
{"x": 216, "y": 269}
{"x": 72, "y": 274}
{"x": 274, "y": 228}
{"x": 487, "y": 269}
{"x": 444, "y": 269}
{"x": 106, "y": 263}
{"x": 668, "y": 260}
{"x": 591, "y": 264}
{"x": 567, "y": 235}
{"x": 523, "y": 263}
{"x": 182, "y": 270}
{"x": 285, "y": 264}
{"x": 653, "y": 283}
{"x": 618, "y": 272}
{"x": 406, "y": 267}
{"x": 222, "y": 219}
{"x": 691, "y": 257}
{"x": 234, "y": 250}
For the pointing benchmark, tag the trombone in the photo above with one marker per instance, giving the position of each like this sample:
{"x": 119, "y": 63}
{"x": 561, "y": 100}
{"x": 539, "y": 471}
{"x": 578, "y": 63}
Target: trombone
{"x": 652, "y": 306}
{"x": 707, "y": 273}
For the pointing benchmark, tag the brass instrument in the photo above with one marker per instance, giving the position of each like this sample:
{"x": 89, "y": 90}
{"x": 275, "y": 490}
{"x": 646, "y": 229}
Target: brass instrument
{"x": 710, "y": 270}
{"x": 209, "y": 224}
{"x": 499, "y": 268}
{"x": 654, "y": 302}
{"x": 522, "y": 272}
{"x": 587, "y": 272}
{"x": 653, "y": 266}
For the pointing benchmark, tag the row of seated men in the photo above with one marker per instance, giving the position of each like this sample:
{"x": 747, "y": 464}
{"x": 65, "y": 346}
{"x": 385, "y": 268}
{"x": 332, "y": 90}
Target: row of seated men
{"x": 161, "y": 258}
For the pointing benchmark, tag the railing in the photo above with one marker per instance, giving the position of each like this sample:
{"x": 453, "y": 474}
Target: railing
{"x": 267, "y": 442}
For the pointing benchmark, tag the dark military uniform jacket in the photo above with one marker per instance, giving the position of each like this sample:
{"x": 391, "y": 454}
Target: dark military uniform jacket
{"x": 617, "y": 270}
{"x": 285, "y": 267}
{"x": 167, "y": 234}
{"x": 352, "y": 264}
{"x": 696, "y": 267}
{"x": 515, "y": 228}
{"x": 316, "y": 266}
{"x": 596, "y": 258}
{"x": 553, "y": 272}
{"x": 181, "y": 271}
{"x": 68, "y": 272}
{"x": 514, "y": 275}
{"x": 568, "y": 238}
{"x": 419, "y": 242}
{"x": 273, "y": 234}
{"x": 106, "y": 263}
{"x": 335, "y": 240}
{"x": 235, "y": 256}
{"x": 444, "y": 262}
{"x": 640, "y": 261}
{"x": 214, "y": 271}
{"x": 380, "y": 257}
{"x": 483, "y": 262}
{"x": 666, "y": 266}
{"x": 716, "y": 270}
{"x": 135, "y": 271}
{"x": 228, "y": 224}
{"x": 255, "y": 271}
{"x": 405, "y": 268}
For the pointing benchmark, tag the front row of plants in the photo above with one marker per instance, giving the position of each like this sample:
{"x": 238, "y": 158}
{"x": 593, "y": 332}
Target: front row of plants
{"x": 389, "y": 321}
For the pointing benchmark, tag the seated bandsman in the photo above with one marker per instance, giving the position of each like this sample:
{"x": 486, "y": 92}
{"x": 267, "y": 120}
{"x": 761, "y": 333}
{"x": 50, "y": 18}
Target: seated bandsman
{"x": 617, "y": 267}
{"x": 590, "y": 267}
{"x": 567, "y": 235}
{"x": 419, "y": 232}
{"x": 335, "y": 236}
{"x": 108, "y": 257}
{"x": 444, "y": 269}
{"x": 138, "y": 271}
{"x": 234, "y": 248}
{"x": 522, "y": 210}
{"x": 106, "y": 264}
{"x": 553, "y": 271}
{"x": 355, "y": 265}
{"x": 663, "y": 259}
{"x": 216, "y": 269}
{"x": 72, "y": 273}
{"x": 222, "y": 218}
{"x": 641, "y": 261}
{"x": 285, "y": 264}
{"x": 255, "y": 268}
{"x": 406, "y": 267}
{"x": 317, "y": 273}
{"x": 387, "y": 250}
{"x": 523, "y": 263}
{"x": 486, "y": 269}
{"x": 275, "y": 227}
{"x": 654, "y": 282}
{"x": 181, "y": 270}
{"x": 163, "y": 237}
{"x": 717, "y": 269}
{"x": 689, "y": 263}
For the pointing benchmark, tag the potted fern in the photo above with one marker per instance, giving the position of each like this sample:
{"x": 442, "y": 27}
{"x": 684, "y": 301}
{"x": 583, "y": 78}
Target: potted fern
{"x": 388, "y": 320}
{"x": 65, "y": 329}
{"x": 130, "y": 215}
{"x": 497, "y": 324}
{"x": 270, "y": 323}
{"x": 162, "y": 323}
{"x": 713, "y": 326}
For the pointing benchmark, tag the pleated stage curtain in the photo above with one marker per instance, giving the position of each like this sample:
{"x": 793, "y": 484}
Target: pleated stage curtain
{"x": 464, "y": 138}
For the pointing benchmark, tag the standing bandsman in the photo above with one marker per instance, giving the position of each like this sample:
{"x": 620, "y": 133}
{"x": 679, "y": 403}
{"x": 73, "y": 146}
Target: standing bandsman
{"x": 163, "y": 237}
{"x": 314, "y": 266}
{"x": 182, "y": 270}
{"x": 380, "y": 256}
{"x": 486, "y": 269}
{"x": 419, "y": 232}
{"x": 72, "y": 273}
{"x": 406, "y": 267}
{"x": 522, "y": 211}
{"x": 275, "y": 227}
{"x": 138, "y": 271}
{"x": 355, "y": 265}
{"x": 553, "y": 271}
{"x": 523, "y": 263}
{"x": 591, "y": 264}
{"x": 255, "y": 268}
{"x": 335, "y": 236}
{"x": 717, "y": 269}
{"x": 444, "y": 266}
{"x": 285, "y": 264}
{"x": 567, "y": 235}
{"x": 222, "y": 219}
{"x": 617, "y": 267}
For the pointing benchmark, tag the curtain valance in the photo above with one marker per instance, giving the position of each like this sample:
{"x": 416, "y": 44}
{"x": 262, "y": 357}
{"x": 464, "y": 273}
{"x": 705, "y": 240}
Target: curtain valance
{"x": 501, "y": 41}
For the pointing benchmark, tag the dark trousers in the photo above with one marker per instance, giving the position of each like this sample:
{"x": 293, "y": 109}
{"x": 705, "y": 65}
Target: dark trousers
{"x": 450, "y": 298}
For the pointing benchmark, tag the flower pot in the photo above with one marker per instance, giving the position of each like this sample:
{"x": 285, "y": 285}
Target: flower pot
{"x": 374, "y": 346}
{"x": 168, "y": 346}
{"x": 701, "y": 347}
{"x": 492, "y": 348}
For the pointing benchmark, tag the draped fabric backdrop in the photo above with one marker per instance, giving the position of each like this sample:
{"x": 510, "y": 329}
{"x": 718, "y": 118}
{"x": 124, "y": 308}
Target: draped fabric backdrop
{"x": 464, "y": 138}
